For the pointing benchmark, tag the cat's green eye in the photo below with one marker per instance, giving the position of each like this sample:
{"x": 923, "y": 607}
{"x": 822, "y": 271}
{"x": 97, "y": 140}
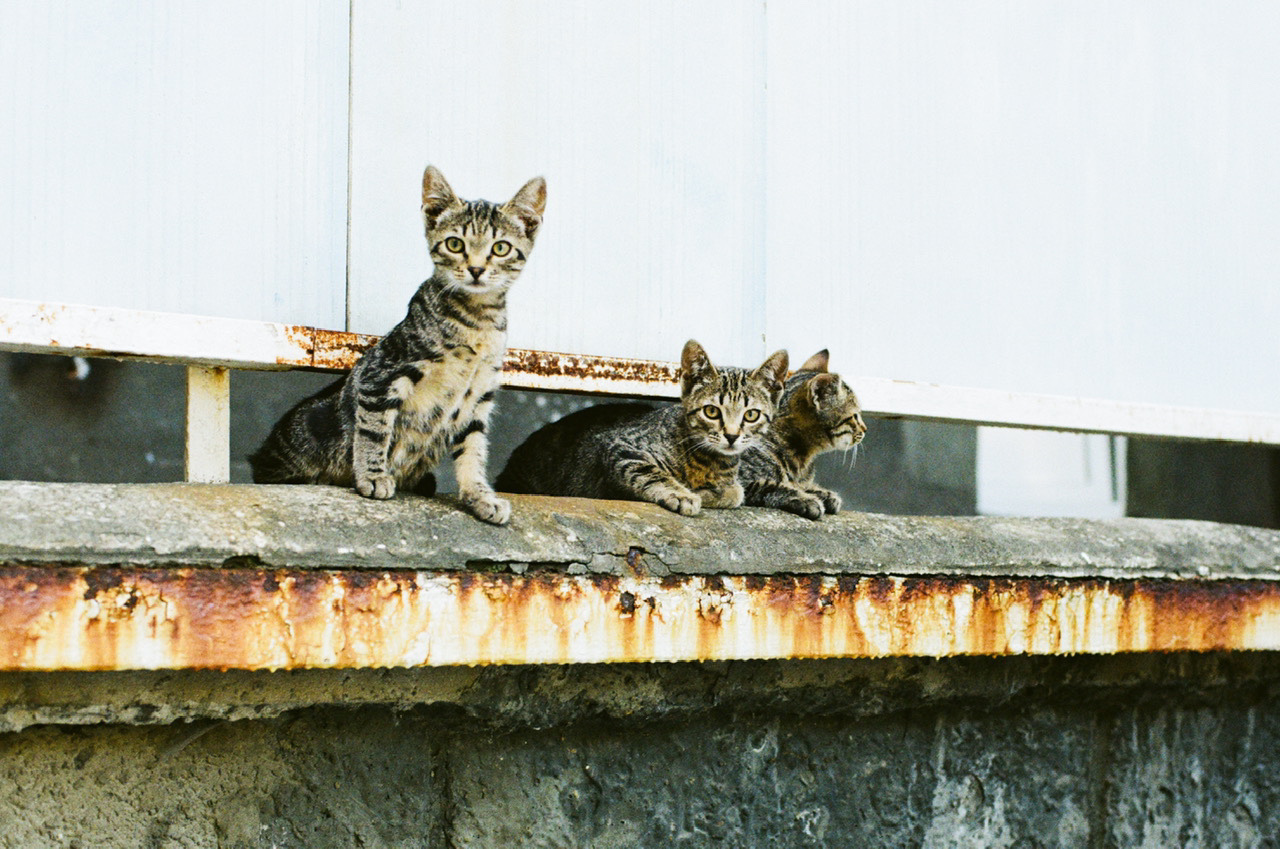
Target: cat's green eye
{"x": 711, "y": 411}
{"x": 751, "y": 416}
{"x": 501, "y": 248}
{"x": 454, "y": 244}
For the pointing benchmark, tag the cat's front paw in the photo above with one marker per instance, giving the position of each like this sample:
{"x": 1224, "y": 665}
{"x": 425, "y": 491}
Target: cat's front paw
{"x": 380, "y": 487}
{"x": 685, "y": 503}
{"x": 488, "y": 507}
{"x": 804, "y": 504}
{"x": 729, "y": 496}
{"x": 830, "y": 501}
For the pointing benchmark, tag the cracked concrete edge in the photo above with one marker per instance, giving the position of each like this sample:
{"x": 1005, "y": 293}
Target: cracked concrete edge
{"x": 330, "y": 527}
{"x": 546, "y": 696}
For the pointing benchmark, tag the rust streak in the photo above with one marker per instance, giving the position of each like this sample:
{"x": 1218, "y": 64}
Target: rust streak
{"x": 335, "y": 350}
{"x": 330, "y": 350}
{"x": 58, "y": 617}
{"x": 551, "y": 366}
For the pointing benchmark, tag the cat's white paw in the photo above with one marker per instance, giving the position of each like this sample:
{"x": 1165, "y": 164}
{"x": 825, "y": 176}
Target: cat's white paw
{"x": 488, "y": 507}
{"x": 380, "y": 487}
{"x": 684, "y": 503}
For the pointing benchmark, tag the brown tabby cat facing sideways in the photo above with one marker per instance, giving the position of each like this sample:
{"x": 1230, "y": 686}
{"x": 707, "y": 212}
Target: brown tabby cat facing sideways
{"x": 682, "y": 456}
{"x": 427, "y": 386}
{"x": 818, "y": 413}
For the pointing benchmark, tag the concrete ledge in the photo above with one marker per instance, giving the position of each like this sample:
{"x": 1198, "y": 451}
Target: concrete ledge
{"x": 191, "y": 576}
{"x": 317, "y": 527}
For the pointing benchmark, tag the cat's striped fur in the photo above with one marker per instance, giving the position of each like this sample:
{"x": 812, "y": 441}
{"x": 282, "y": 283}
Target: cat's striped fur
{"x": 428, "y": 386}
{"x": 818, "y": 413}
{"x": 682, "y": 456}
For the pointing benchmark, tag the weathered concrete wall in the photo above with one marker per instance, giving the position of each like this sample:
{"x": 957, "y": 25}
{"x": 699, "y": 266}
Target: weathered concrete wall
{"x": 319, "y": 527}
{"x": 1130, "y": 751}
{"x": 1150, "y": 750}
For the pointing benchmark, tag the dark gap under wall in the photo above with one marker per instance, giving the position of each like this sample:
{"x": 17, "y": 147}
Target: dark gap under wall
{"x": 124, "y": 422}
{"x": 1217, "y": 482}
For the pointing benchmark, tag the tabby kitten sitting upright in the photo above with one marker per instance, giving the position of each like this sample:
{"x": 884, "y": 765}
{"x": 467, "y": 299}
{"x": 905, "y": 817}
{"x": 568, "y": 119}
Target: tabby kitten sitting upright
{"x": 818, "y": 413}
{"x": 682, "y": 456}
{"x": 427, "y": 386}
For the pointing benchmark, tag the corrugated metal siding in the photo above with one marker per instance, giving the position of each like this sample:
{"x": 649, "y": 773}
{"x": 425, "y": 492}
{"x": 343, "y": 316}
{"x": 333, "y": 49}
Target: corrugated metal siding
{"x": 1063, "y": 198}
{"x": 645, "y": 117}
{"x": 181, "y": 157}
{"x": 1069, "y": 198}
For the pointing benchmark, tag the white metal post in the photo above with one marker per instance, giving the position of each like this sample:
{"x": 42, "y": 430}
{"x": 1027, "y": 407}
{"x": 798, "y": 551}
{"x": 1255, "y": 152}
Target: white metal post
{"x": 208, "y": 450}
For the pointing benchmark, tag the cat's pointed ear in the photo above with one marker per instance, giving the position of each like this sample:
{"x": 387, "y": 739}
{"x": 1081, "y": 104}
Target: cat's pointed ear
{"x": 437, "y": 196}
{"x": 818, "y": 362}
{"x": 695, "y": 366}
{"x": 528, "y": 205}
{"x": 824, "y": 390}
{"x": 774, "y": 370}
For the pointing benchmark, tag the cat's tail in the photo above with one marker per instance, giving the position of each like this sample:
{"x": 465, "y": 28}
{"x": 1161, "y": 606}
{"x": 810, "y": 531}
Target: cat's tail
{"x": 301, "y": 444}
{"x": 268, "y": 466}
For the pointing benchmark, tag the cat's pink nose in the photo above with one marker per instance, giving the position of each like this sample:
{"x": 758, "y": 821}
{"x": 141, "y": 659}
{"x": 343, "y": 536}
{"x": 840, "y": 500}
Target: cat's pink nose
{"x": 475, "y": 270}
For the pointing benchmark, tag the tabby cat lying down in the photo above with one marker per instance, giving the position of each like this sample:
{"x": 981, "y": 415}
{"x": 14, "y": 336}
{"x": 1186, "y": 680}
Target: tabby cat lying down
{"x": 683, "y": 456}
{"x": 818, "y": 413}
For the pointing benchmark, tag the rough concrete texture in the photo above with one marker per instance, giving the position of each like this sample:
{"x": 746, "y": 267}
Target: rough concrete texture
{"x": 549, "y": 696}
{"x": 1139, "y": 751}
{"x": 319, "y": 527}
{"x": 321, "y": 778}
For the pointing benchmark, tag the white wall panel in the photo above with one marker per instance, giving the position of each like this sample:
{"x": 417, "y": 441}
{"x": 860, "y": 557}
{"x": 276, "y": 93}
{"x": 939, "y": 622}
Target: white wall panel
{"x": 1058, "y": 197}
{"x": 1074, "y": 198}
{"x": 646, "y": 118}
{"x": 175, "y": 156}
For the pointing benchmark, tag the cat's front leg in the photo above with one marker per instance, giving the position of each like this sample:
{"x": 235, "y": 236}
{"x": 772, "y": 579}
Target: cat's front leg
{"x": 782, "y": 496}
{"x": 726, "y": 496}
{"x": 471, "y": 456}
{"x": 831, "y": 502}
{"x": 370, "y": 446}
{"x": 678, "y": 499}
{"x": 646, "y": 480}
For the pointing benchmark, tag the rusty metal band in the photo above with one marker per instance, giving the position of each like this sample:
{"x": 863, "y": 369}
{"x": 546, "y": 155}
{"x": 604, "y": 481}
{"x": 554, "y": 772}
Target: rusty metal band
{"x": 312, "y": 347}
{"x": 108, "y": 618}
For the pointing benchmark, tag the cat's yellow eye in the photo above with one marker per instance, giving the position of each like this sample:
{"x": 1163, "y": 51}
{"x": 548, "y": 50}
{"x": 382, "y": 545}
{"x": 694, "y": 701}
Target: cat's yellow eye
{"x": 454, "y": 244}
{"x": 751, "y": 416}
{"x": 501, "y": 248}
{"x": 711, "y": 411}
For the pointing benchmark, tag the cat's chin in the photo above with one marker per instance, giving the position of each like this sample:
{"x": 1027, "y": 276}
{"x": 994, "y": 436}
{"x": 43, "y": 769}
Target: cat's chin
{"x": 472, "y": 287}
{"x": 844, "y": 441}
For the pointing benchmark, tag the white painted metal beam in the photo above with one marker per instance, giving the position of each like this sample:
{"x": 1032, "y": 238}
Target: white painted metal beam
{"x": 208, "y": 447}
{"x": 89, "y": 331}
{"x": 218, "y": 342}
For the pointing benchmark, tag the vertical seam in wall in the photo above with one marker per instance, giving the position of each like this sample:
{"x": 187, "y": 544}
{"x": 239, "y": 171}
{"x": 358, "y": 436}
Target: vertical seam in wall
{"x": 1098, "y": 781}
{"x": 442, "y": 784}
{"x": 762, "y": 299}
{"x": 351, "y": 10}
